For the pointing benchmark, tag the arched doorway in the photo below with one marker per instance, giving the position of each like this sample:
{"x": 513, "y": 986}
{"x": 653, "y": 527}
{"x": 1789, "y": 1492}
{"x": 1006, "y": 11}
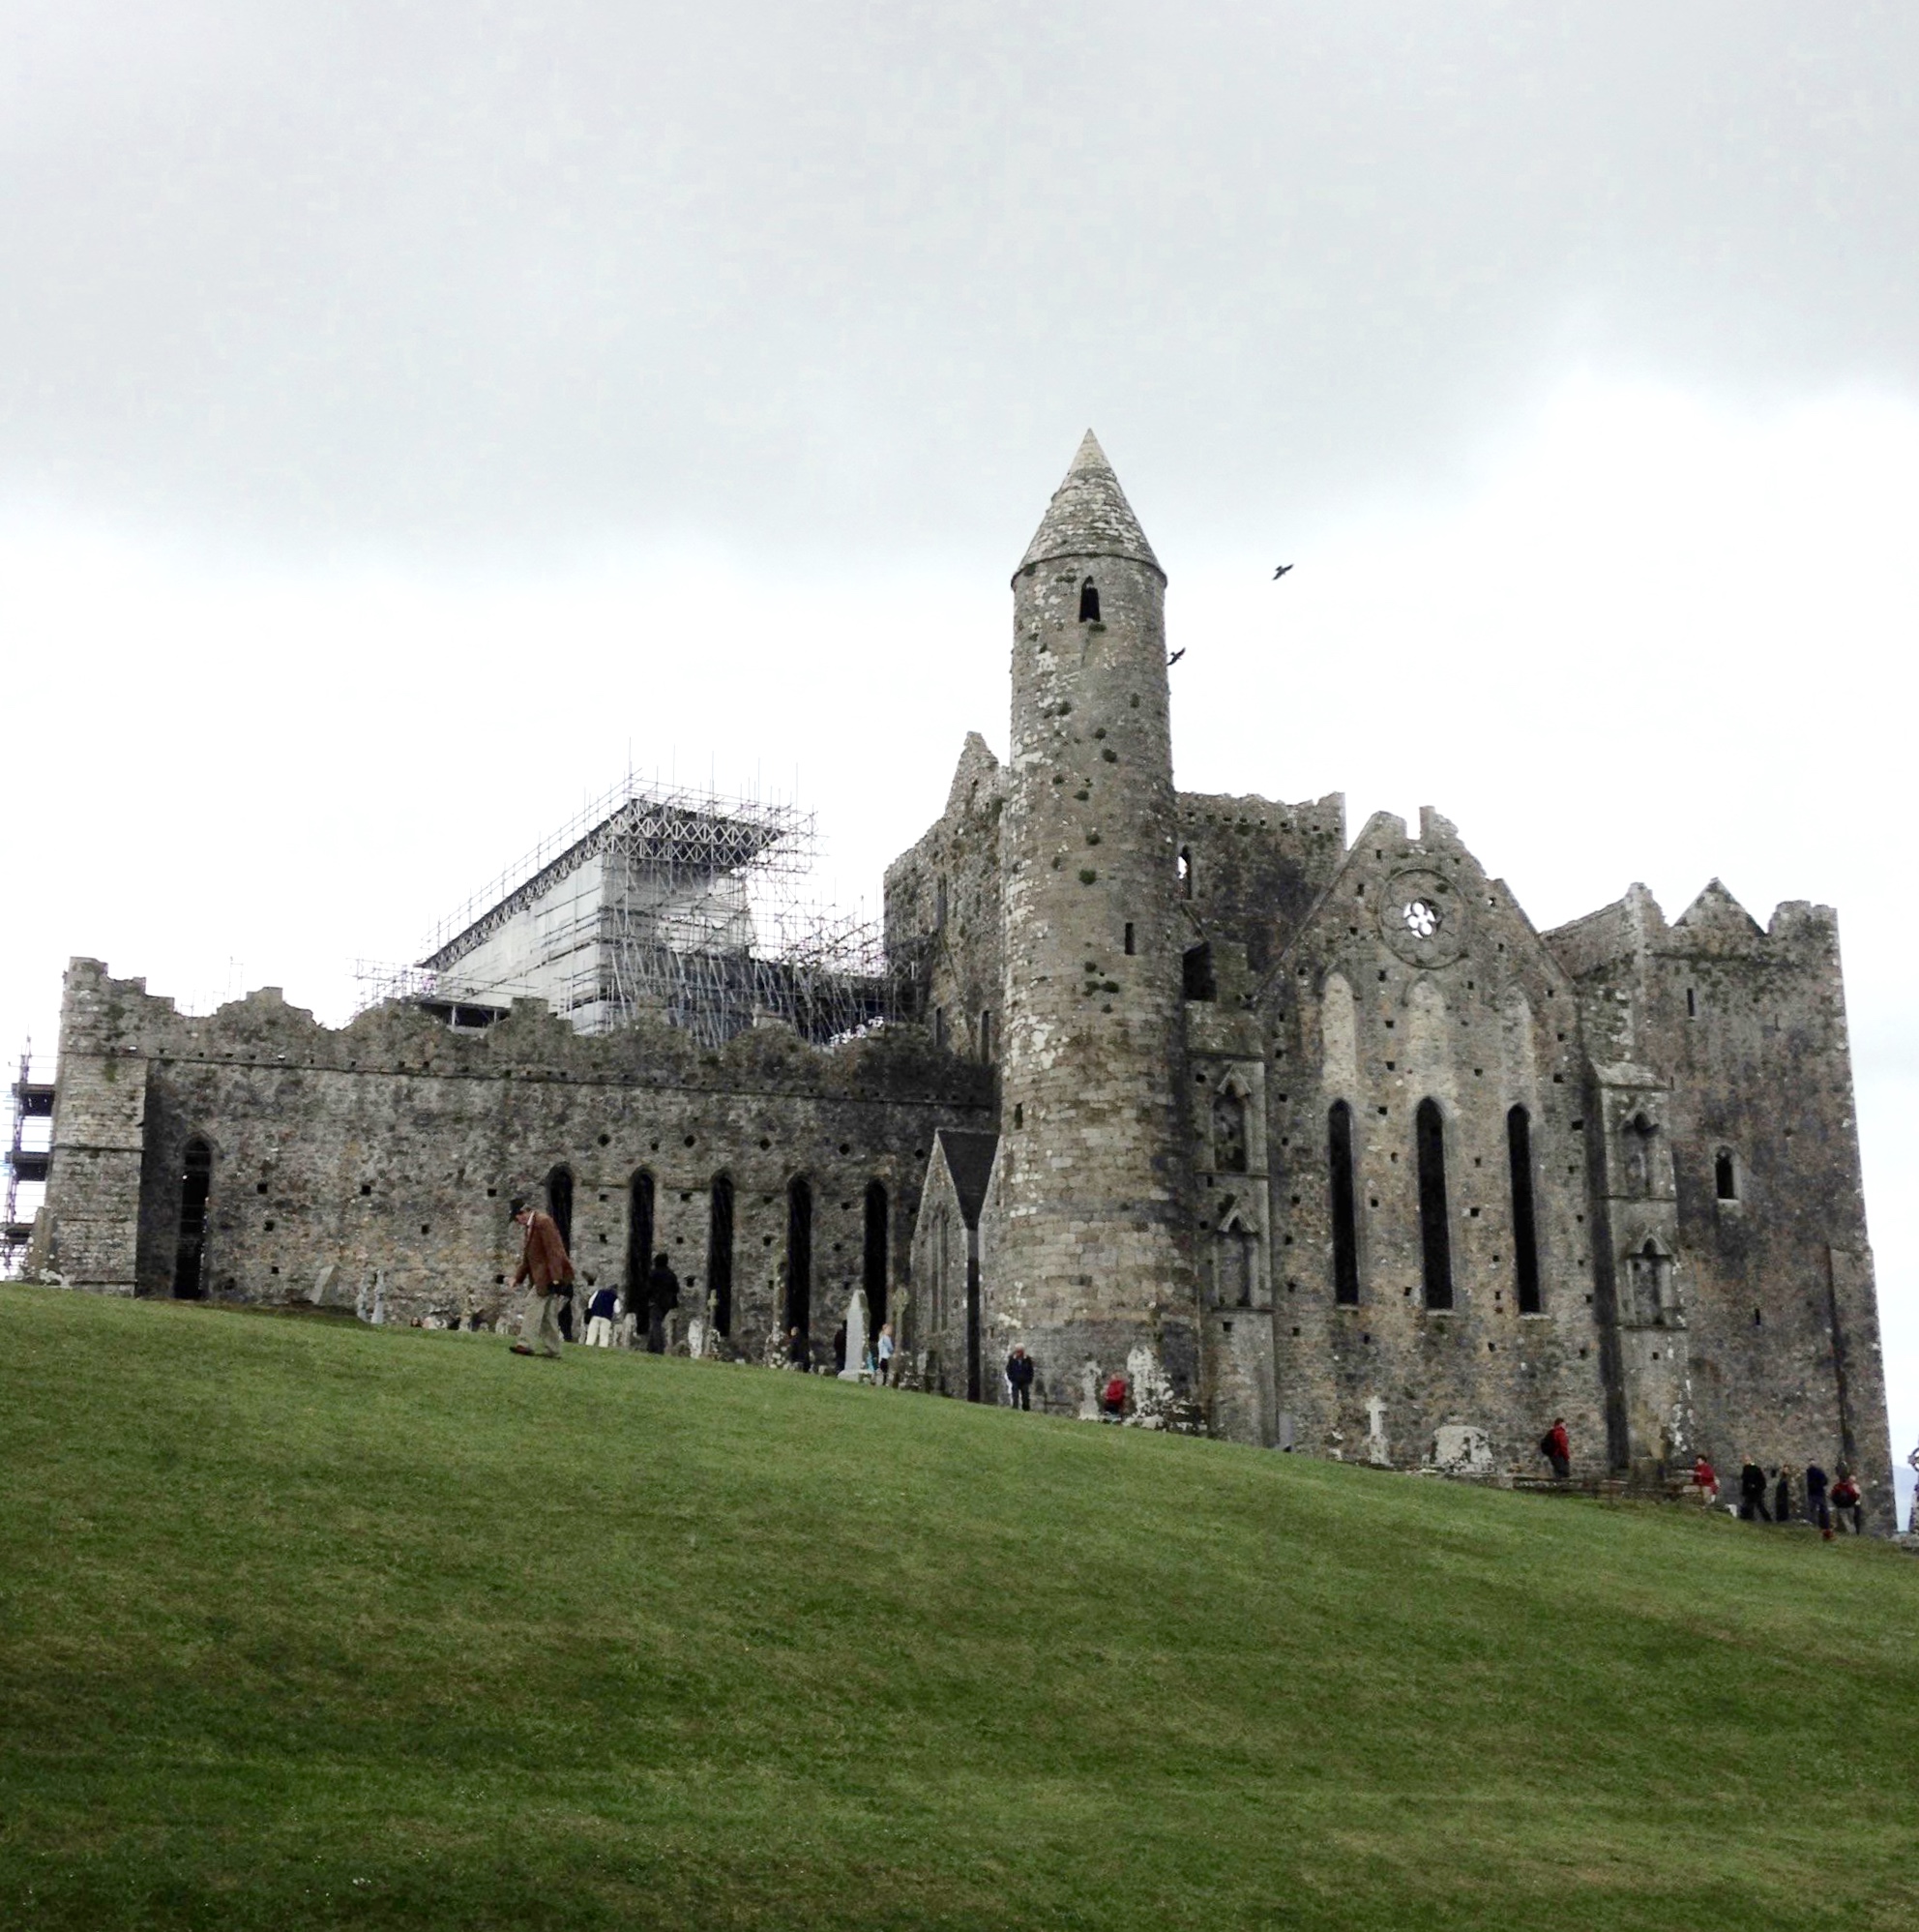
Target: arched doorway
{"x": 190, "y": 1251}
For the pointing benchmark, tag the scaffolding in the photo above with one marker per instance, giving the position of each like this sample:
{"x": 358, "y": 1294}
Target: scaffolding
{"x": 667, "y": 901}
{"x": 33, "y": 1100}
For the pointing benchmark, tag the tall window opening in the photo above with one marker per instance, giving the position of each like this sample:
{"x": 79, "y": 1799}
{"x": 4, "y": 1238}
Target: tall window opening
{"x": 1346, "y": 1221}
{"x": 559, "y": 1202}
{"x": 1129, "y": 938}
{"x": 1723, "y": 1183}
{"x": 1196, "y": 971}
{"x": 640, "y": 1240}
{"x": 1436, "y": 1233}
{"x": 1525, "y": 1223}
{"x": 940, "y": 1027}
{"x": 1089, "y": 603}
{"x": 799, "y": 1255}
{"x": 1228, "y": 1132}
{"x": 720, "y": 1251}
{"x": 986, "y": 1036}
{"x": 873, "y": 1270}
{"x": 1186, "y": 872}
{"x": 189, "y": 1251}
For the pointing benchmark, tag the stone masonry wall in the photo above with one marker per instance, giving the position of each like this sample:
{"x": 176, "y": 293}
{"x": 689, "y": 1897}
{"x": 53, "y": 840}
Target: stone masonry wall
{"x": 395, "y": 1145}
{"x": 1255, "y": 868}
{"x": 1776, "y": 1281}
{"x": 944, "y": 914}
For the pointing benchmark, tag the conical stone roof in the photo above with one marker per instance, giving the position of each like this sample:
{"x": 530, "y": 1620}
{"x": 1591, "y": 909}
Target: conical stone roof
{"x": 1089, "y": 516}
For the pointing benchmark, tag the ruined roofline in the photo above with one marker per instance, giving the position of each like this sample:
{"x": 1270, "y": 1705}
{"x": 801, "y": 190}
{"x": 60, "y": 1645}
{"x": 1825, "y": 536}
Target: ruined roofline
{"x": 1715, "y": 922}
{"x": 698, "y": 834}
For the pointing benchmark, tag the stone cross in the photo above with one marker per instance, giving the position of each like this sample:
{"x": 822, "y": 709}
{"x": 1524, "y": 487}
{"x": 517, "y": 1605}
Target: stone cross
{"x": 1376, "y": 1430}
{"x": 856, "y": 1337}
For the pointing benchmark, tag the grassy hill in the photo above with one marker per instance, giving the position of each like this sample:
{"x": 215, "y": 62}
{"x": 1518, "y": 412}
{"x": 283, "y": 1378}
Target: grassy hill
{"x": 306, "y": 1623}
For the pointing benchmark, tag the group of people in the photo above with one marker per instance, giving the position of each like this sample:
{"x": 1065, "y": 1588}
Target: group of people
{"x": 547, "y": 1268}
{"x": 1825, "y": 1495}
{"x": 876, "y": 1362}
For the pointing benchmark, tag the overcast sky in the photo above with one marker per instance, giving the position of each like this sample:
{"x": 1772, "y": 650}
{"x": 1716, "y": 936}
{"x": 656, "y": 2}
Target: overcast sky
{"x": 410, "y": 412}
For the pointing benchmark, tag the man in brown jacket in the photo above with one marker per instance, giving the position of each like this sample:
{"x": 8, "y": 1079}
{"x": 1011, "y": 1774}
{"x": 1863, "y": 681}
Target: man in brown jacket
{"x": 545, "y": 1263}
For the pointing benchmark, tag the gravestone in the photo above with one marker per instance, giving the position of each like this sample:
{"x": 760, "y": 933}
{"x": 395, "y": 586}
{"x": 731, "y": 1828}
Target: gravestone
{"x": 1460, "y": 1449}
{"x": 322, "y": 1283}
{"x": 1377, "y": 1451}
{"x": 856, "y": 1338}
{"x": 1089, "y": 1391}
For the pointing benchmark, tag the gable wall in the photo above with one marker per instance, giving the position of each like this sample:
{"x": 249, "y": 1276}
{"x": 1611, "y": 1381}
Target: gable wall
{"x": 1437, "y": 1018}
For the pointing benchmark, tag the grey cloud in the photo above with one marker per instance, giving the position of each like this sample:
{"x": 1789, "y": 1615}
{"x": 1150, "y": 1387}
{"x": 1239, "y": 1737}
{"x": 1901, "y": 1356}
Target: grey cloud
{"x": 459, "y": 277}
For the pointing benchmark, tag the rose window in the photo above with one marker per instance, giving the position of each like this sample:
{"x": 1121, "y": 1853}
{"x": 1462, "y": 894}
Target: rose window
{"x": 1422, "y": 918}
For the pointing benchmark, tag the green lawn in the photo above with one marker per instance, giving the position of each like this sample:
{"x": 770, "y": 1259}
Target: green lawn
{"x": 307, "y": 1623}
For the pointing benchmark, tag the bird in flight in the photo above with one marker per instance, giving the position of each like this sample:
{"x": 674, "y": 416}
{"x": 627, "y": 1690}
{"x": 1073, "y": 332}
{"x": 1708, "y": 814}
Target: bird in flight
{"x": 1176, "y": 656}
{"x": 1281, "y": 572}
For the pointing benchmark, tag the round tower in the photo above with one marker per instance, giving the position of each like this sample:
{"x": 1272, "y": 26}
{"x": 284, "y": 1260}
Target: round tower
{"x": 1090, "y": 1256}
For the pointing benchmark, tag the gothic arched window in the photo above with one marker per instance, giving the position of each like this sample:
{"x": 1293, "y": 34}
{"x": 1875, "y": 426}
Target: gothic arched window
{"x": 1436, "y": 1233}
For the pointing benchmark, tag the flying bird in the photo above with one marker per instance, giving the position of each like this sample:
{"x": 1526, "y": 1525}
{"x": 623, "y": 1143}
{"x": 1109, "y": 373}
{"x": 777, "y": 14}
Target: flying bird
{"x": 1281, "y": 572}
{"x": 1176, "y": 656}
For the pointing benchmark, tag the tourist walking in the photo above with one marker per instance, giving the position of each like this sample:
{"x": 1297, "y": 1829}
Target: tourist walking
{"x": 840, "y": 1350}
{"x": 1753, "y": 1493}
{"x": 602, "y": 1311}
{"x": 1848, "y": 1502}
{"x": 796, "y": 1349}
{"x": 1705, "y": 1481}
{"x": 885, "y": 1352}
{"x": 1781, "y": 1496}
{"x": 663, "y": 1295}
{"x": 1815, "y": 1500}
{"x": 1019, "y": 1378}
{"x": 544, "y": 1262}
{"x": 1557, "y": 1447}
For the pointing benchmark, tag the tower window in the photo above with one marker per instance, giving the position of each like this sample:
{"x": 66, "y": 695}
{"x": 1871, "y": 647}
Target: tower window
{"x": 1186, "y": 872}
{"x": 1436, "y": 1235}
{"x": 986, "y": 1036}
{"x": 1346, "y": 1222}
{"x": 1129, "y": 938}
{"x": 1724, "y": 1182}
{"x": 1692, "y": 1003}
{"x": 1089, "y": 603}
{"x": 1197, "y": 973}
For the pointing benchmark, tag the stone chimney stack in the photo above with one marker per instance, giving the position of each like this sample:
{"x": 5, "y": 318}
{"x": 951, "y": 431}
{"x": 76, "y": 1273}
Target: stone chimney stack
{"x": 1089, "y": 1255}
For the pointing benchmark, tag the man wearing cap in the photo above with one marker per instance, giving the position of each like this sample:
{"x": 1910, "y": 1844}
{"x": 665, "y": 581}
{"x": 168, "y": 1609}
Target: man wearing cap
{"x": 545, "y": 1263}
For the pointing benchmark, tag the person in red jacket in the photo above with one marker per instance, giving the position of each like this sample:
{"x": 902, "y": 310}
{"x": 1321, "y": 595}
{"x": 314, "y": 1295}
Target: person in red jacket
{"x": 546, "y": 1265}
{"x": 1557, "y": 1449}
{"x": 1706, "y": 1482}
{"x": 1112, "y": 1400}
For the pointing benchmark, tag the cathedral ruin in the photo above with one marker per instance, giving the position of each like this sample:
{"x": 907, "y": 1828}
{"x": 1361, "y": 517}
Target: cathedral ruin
{"x": 1312, "y": 1135}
